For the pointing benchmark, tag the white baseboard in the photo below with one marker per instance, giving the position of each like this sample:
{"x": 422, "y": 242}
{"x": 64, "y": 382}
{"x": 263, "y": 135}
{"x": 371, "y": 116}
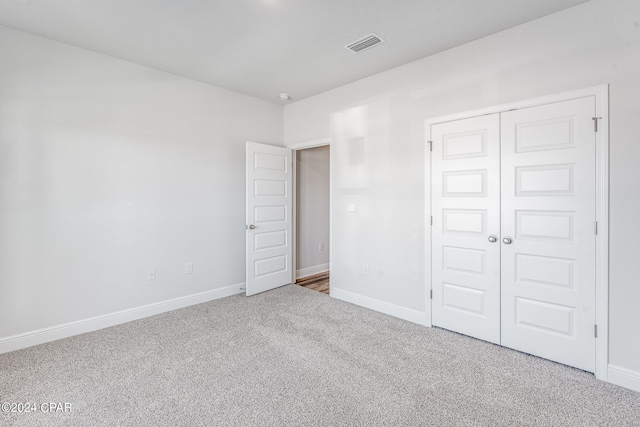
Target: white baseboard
{"x": 624, "y": 377}
{"x": 404, "y": 313}
{"x": 40, "y": 336}
{"x": 310, "y": 271}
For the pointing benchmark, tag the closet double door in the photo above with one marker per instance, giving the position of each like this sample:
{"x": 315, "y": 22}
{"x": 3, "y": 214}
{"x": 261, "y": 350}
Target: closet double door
{"x": 513, "y": 239}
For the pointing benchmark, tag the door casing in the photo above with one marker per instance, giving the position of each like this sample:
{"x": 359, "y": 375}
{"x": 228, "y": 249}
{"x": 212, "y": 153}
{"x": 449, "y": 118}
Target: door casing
{"x": 601, "y": 94}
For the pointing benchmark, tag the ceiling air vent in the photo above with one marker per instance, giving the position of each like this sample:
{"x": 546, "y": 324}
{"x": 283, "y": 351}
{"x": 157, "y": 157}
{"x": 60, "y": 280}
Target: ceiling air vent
{"x": 365, "y": 43}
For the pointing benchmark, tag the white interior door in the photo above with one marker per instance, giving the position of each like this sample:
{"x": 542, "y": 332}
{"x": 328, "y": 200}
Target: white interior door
{"x": 466, "y": 226}
{"x": 269, "y": 210}
{"x": 548, "y": 219}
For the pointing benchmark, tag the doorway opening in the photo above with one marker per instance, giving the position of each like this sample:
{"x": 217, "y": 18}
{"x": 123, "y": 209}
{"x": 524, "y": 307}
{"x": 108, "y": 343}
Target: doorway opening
{"x": 312, "y": 217}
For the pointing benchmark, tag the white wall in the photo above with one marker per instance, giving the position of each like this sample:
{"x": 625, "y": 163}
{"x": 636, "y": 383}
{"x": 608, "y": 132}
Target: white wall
{"x": 108, "y": 169}
{"x": 312, "y": 205}
{"x": 377, "y": 126}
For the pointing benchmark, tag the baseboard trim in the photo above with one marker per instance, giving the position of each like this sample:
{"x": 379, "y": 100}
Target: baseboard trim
{"x": 310, "y": 271}
{"x": 41, "y": 336}
{"x": 404, "y": 313}
{"x": 624, "y": 377}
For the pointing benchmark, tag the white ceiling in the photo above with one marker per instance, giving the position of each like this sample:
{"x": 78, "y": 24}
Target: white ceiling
{"x": 264, "y": 47}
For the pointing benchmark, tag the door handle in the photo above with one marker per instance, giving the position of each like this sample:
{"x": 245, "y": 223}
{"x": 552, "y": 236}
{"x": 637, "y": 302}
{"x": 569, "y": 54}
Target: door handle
{"x": 507, "y": 240}
{"x": 493, "y": 239}
{"x": 251, "y": 227}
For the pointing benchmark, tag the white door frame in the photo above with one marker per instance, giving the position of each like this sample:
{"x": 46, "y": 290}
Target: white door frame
{"x": 303, "y": 146}
{"x": 601, "y": 94}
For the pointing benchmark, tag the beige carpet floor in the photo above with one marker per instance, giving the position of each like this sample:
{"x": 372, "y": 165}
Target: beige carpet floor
{"x": 295, "y": 357}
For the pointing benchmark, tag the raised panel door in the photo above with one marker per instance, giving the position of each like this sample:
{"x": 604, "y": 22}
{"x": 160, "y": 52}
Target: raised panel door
{"x": 548, "y": 212}
{"x": 466, "y": 211}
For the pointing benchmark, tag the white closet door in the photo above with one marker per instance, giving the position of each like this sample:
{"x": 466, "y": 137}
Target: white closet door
{"x": 548, "y": 214}
{"x": 466, "y": 212}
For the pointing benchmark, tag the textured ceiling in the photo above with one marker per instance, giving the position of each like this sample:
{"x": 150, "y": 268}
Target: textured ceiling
{"x": 264, "y": 47}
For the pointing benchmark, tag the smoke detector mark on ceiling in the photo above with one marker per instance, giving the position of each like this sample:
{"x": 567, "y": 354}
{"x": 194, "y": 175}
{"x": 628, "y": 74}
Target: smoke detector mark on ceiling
{"x": 365, "y": 43}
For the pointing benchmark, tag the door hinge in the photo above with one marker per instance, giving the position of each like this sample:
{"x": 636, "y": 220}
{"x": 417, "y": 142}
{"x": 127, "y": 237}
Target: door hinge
{"x": 431, "y": 220}
{"x": 595, "y": 331}
{"x": 595, "y": 123}
{"x": 430, "y": 145}
{"x": 431, "y": 294}
{"x": 595, "y": 228}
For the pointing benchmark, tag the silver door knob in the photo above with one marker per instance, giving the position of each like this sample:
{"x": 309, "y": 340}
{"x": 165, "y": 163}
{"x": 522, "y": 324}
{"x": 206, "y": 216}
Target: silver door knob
{"x": 507, "y": 240}
{"x": 252, "y": 227}
{"x": 493, "y": 239}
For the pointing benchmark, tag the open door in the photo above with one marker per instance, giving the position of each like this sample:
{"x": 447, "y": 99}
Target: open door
{"x": 269, "y": 222}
